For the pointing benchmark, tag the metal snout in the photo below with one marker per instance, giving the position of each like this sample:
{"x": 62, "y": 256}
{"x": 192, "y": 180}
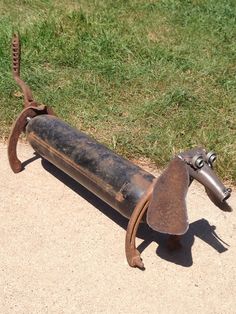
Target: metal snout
{"x": 227, "y": 194}
{"x": 200, "y": 167}
{"x": 208, "y": 178}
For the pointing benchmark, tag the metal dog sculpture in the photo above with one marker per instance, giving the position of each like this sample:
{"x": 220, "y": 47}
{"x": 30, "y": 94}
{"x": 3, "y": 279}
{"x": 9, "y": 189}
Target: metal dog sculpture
{"x": 135, "y": 193}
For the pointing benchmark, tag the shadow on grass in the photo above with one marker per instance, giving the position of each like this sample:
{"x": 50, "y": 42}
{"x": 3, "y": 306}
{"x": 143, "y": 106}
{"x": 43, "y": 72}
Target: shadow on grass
{"x": 200, "y": 228}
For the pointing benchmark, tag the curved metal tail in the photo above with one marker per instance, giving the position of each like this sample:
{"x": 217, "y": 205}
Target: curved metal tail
{"x": 16, "y": 54}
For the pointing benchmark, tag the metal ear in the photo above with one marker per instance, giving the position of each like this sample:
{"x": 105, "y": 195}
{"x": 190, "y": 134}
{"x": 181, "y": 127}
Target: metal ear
{"x": 167, "y": 212}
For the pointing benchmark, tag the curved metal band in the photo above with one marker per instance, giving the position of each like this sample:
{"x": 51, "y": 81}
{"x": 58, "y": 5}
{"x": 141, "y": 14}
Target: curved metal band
{"x": 19, "y": 127}
{"x": 132, "y": 254}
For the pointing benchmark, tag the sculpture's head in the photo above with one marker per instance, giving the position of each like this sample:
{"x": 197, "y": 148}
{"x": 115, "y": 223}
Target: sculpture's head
{"x": 167, "y": 212}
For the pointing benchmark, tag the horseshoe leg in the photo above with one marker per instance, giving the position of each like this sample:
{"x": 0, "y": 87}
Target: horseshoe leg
{"x": 19, "y": 127}
{"x": 132, "y": 254}
{"x": 173, "y": 242}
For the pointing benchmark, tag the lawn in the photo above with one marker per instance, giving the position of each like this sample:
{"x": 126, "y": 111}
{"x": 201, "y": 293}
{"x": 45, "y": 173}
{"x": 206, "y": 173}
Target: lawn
{"x": 146, "y": 78}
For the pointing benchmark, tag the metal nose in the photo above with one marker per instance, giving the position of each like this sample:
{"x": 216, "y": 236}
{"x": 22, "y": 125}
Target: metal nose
{"x": 208, "y": 178}
{"x": 227, "y": 194}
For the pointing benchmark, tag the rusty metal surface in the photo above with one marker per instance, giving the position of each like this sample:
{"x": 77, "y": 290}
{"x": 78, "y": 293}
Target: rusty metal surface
{"x": 167, "y": 212}
{"x": 31, "y": 108}
{"x": 112, "y": 178}
{"x": 132, "y": 254}
{"x": 17, "y": 128}
{"x": 16, "y": 55}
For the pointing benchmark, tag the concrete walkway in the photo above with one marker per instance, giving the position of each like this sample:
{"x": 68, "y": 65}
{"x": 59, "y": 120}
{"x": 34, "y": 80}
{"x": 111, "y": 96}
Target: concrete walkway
{"x": 62, "y": 251}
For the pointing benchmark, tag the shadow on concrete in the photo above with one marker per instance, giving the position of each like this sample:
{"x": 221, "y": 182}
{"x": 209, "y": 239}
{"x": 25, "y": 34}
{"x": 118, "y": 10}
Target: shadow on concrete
{"x": 28, "y": 161}
{"x": 200, "y": 228}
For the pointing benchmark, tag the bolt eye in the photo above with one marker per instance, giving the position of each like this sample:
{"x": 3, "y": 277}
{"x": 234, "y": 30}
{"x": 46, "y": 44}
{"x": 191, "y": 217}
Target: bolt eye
{"x": 198, "y": 161}
{"x": 211, "y": 157}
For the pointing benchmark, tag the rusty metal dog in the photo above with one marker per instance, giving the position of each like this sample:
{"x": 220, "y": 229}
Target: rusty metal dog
{"x": 134, "y": 192}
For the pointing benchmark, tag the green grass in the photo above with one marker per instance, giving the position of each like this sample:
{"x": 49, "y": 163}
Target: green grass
{"x": 147, "y": 78}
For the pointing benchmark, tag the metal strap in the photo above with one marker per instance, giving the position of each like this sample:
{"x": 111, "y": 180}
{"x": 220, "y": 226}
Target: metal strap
{"x": 132, "y": 254}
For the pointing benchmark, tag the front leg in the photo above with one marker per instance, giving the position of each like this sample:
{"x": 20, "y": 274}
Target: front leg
{"x": 173, "y": 242}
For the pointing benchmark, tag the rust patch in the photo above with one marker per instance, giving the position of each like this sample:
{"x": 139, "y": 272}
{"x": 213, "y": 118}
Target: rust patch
{"x": 17, "y": 128}
{"x": 120, "y": 195}
{"x": 140, "y": 180}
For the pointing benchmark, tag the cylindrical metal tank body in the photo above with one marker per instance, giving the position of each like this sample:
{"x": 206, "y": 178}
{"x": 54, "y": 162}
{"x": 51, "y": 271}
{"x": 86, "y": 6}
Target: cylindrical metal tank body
{"x": 115, "y": 180}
